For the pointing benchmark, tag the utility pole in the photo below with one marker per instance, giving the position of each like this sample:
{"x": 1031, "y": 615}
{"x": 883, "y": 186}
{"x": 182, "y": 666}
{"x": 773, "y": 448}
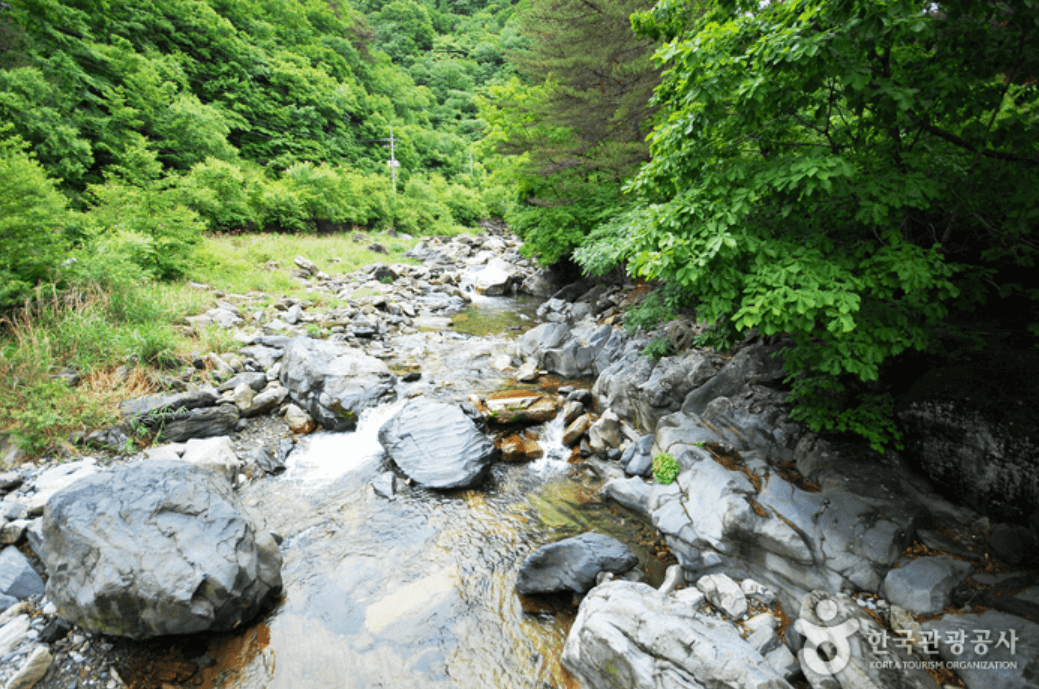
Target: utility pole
{"x": 393, "y": 161}
{"x": 470, "y": 161}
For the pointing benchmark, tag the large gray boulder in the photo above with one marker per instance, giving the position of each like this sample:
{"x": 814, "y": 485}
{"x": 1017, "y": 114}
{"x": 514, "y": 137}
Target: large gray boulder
{"x": 437, "y": 445}
{"x": 154, "y": 548}
{"x": 572, "y": 564}
{"x": 335, "y": 383}
{"x": 628, "y": 635}
{"x": 496, "y": 277}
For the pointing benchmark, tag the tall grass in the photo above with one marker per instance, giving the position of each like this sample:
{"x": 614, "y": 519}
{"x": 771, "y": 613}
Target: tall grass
{"x": 91, "y": 330}
{"x": 237, "y": 263}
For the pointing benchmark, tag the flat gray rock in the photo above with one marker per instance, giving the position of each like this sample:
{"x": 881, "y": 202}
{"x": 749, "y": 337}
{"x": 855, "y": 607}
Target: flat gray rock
{"x": 257, "y": 381}
{"x": 18, "y": 579}
{"x": 630, "y": 636}
{"x": 572, "y": 564}
{"x": 924, "y": 585}
{"x": 200, "y": 423}
{"x": 632, "y": 492}
{"x": 160, "y": 405}
{"x": 437, "y": 445}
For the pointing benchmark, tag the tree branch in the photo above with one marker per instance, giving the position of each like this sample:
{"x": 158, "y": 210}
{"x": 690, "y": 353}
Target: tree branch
{"x": 963, "y": 143}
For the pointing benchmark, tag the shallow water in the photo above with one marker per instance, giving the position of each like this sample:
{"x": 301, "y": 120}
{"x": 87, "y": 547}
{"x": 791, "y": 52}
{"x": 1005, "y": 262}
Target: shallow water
{"x": 491, "y": 315}
{"x": 418, "y": 591}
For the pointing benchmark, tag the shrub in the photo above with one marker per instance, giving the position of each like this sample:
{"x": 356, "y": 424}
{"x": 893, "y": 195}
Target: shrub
{"x": 148, "y": 225}
{"x": 222, "y": 193}
{"x": 32, "y": 216}
{"x": 665, "y": 468}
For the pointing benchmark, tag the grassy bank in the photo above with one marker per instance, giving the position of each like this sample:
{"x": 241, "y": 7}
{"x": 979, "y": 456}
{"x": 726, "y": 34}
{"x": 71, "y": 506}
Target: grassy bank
{"x": 115, "y": 340}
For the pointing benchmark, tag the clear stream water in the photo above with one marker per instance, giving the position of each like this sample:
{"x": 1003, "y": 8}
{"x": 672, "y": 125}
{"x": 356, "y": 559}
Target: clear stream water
{"x": 417, "y": 591}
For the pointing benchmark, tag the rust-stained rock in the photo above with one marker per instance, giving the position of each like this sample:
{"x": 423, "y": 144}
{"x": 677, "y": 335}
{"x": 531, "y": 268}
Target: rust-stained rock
{"x": 516, "y": 448}
{"x": 519, "y": 406}
{"x": 577, "y": 429}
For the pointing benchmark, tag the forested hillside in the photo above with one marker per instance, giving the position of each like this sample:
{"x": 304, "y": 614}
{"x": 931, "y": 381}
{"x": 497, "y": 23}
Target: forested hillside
{"x": 154, "y": 121}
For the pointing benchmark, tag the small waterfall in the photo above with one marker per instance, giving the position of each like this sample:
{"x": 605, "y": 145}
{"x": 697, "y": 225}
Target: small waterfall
{"x": 555, "y": 459}
{"x": 323, "y": 457}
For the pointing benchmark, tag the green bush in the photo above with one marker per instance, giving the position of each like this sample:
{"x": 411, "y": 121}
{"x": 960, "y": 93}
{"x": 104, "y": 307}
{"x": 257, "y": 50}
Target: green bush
{"x": 32, "y": 216}
{"x": 319, "y": 190}
{"x": 222, "y": 193}
{"x": 278, "y": 206}
{"x": 465, "y": 205}
{"x": 665, "y": 468}
{"x": 148, "y": 226}
{"x": 368, "y": 196}
{"x": 421, "y": 211}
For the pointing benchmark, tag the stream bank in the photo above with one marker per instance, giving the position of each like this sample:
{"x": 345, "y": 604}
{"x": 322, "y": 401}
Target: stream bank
{"x": 419, "y": 589}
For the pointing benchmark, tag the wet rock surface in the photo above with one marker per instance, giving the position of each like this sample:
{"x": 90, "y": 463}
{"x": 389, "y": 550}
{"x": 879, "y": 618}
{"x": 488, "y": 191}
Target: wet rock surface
{"x": 335, "y": 383}
{"x": 573, "y": 564}
{"x": 437, "y": 445}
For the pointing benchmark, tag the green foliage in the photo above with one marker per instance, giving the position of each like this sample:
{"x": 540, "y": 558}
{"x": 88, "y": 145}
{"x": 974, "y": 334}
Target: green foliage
{"x": 829, "y": 171}
{"x": 224, "y": 194}
{"x": 665, "y": 468}
{"x": 575, "y": 126}
{"x": 37, "y": 110}
{"x": 403, "y": 29}
{"x": 148, "y": 226}
{"x": 653, "y": 310}
{"x": 32, "y": 216}
{"x": 560, "y": 212}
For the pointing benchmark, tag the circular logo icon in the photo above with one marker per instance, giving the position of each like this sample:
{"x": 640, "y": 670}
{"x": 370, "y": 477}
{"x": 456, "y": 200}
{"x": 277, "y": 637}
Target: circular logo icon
{"x": 826, "y": 650}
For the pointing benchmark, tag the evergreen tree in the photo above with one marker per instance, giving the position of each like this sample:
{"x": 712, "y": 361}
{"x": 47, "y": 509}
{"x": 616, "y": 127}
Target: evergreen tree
{"x": 576, "y": 124}
{"x": 602, "y": 79}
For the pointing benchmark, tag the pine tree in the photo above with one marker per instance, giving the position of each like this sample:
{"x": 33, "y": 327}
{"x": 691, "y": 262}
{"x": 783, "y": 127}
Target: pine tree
{"x": 574, "y": 127}
{"x": 601, "y": 79}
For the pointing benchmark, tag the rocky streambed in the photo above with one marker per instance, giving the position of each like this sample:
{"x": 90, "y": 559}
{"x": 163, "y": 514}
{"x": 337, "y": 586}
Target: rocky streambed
{"x": 408, "y": 503}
